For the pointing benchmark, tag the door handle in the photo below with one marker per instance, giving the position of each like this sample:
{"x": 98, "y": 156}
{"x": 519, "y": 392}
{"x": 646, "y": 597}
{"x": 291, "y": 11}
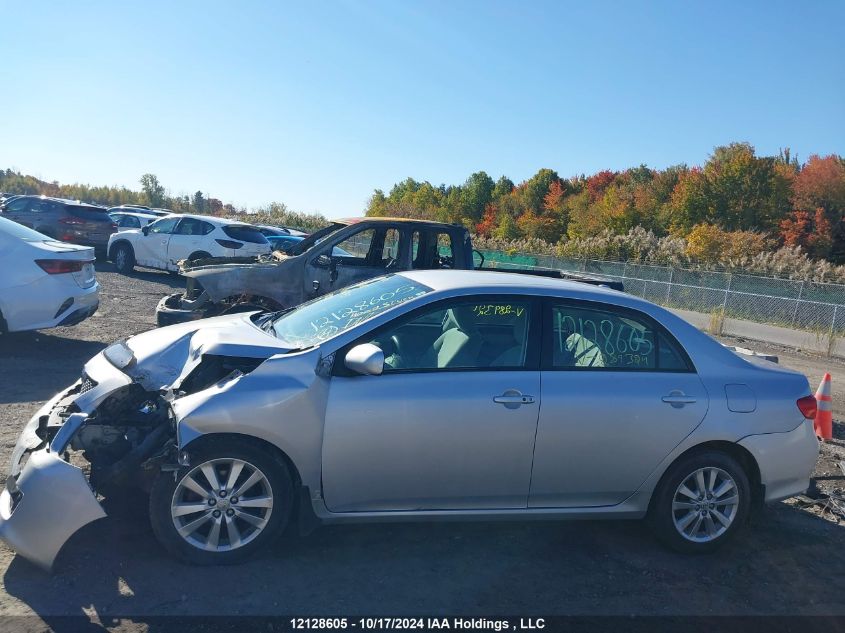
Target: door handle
{"x": 513, "y": 399}
{"x": 678, "y": 399}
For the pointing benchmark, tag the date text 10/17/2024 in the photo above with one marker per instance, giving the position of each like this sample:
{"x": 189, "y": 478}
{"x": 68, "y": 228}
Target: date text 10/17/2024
{"x": 419, "y": 624}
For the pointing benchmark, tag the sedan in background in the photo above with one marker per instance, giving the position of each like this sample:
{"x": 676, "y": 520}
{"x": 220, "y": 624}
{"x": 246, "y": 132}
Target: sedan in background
{"x": 164, "y": 243}
{"x": 63, "y": 220}
{"x": 424, "y": 395}
{"x": 43, "y": 283}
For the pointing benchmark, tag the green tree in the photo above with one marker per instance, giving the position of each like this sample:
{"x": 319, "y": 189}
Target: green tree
{"x": 476, "y": 194}
{"x": 153, "y": 190}
{"x": 199, "y": 202}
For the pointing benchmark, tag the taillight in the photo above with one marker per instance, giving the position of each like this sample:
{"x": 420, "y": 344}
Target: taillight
{"x": 71, "y": 220}
{"x": 229, "y": 244}
{"x": 807, "y": 405}
{"x": 60, "y": 266}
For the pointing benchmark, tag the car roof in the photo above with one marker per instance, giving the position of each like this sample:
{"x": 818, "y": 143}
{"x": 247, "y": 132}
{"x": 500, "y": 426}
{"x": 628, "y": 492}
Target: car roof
{"x": 137, "y": 214}
{"x": 391, "y": 219}
{"x": 492, "y": 282}
{"x": 76, "y": 203}
{"x": 211, "y": 219}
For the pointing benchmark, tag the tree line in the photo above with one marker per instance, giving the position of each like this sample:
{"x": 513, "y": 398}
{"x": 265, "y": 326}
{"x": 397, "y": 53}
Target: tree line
{"x": 153, "y": 194}
{"x": 736, "y": 197}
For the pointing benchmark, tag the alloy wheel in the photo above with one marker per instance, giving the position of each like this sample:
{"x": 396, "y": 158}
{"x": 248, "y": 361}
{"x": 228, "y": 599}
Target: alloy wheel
{"x": 120, "y": 258}
{"x": 222, "y": 504}
{"x": 705, "y": 504}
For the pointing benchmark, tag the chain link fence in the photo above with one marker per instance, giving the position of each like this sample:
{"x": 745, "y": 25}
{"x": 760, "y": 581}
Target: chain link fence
{"x": 805, "y": 305}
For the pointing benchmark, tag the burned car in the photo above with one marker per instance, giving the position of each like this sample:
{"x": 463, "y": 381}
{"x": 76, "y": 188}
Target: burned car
{"x": 343, "y": 253}
{"x": 425, "y": 395}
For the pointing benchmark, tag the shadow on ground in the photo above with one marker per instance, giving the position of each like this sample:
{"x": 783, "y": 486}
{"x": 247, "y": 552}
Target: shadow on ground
{"x": 37, "y": 365}
{"x": 783, "y": 564}
{"x": 143, "y": 274}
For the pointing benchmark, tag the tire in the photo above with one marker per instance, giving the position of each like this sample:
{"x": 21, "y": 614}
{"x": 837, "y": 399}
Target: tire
{"x": 198, "y": 546}
{"x": 124, "y": 258}
{"x": 685, "y": 522}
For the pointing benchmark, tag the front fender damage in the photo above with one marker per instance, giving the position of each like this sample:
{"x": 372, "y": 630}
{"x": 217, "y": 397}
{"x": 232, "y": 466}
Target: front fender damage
{"x": 109, "y": 431}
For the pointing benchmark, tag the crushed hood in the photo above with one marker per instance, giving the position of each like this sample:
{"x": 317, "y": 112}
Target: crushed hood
{"x": 225, "y": 278}
{"x": 166, "y": 355}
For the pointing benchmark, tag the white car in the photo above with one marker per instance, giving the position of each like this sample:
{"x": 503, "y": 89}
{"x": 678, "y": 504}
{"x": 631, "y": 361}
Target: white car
{"x": 165, "y": 242}
{"x": 131, "y": 219}
{"x": 43, "y": 283}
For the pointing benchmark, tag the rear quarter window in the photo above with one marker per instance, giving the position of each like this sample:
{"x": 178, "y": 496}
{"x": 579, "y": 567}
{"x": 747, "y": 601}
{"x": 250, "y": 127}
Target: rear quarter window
{"x": 88, "y": 213}
{"x": 245, "y": 234}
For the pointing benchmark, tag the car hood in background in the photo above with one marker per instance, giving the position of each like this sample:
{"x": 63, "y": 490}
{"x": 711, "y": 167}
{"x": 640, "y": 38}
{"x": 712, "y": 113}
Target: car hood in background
{"x": 226, "y": 278}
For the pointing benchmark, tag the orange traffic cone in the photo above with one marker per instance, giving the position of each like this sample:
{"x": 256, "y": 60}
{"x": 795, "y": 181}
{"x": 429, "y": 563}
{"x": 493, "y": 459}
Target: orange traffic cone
{"x": 823, "y": 423}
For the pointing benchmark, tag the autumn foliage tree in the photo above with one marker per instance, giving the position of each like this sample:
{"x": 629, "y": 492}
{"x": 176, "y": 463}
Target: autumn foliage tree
{"x": 751, "y": 199}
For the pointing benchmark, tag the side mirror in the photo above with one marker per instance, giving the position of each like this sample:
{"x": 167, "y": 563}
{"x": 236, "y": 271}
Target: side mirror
{"x": 365, "y": 359}
{"x": 145, "y": 229}
{"x": 323, "y": 261}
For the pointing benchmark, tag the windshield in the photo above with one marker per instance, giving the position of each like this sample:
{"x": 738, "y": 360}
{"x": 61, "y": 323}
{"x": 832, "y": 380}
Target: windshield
{"x": 21, "y": 232}
{"x": 328, "y": 316}
{"x": 316, "y": 237}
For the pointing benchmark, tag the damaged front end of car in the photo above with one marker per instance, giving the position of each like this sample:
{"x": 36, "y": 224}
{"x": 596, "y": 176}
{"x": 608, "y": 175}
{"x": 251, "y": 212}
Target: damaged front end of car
{"x": 220, "y": 285}
{"x": 115, "y": 428}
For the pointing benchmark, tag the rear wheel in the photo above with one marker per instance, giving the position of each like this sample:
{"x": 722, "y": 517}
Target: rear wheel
{"x": 124, "y": 258}
{"x": 231, "y": 501}
{"x": 701, "y": 502}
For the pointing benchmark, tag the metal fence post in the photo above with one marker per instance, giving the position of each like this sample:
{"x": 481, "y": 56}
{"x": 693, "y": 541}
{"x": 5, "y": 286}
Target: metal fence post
{"x": 727, "y": 290}
{"x": 584, "y": 265}
{"x": 669, "y": 285}
{"x": 798, "y": 302}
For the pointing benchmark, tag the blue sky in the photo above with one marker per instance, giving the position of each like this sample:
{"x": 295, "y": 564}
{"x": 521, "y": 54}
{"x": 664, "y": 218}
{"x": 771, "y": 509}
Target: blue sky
{"x": 318, "y": 103}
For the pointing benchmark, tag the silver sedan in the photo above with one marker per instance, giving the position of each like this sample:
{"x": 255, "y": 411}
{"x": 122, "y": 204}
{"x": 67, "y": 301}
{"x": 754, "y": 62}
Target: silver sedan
{"x": 416, "y": 396}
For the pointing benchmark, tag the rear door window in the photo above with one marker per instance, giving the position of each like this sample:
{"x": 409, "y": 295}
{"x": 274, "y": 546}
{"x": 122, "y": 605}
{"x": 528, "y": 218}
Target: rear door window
{"x": 18, "y": 206}
{"x": 432, "y": 250}
{"x": 193, "y": 226}
{"x": 587, "y": 337}
{"x": 88, "y": 213}
{"x": 249, "y": 234}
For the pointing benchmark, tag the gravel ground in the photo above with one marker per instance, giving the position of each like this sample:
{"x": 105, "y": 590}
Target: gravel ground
{"x": 791, "y": 562}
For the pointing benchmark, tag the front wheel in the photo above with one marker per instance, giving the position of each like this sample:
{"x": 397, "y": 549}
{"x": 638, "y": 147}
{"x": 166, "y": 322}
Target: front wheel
{"x": 700, "y": 504}
{"x": 228, "y": 504}
{"x": 124, "y": 258}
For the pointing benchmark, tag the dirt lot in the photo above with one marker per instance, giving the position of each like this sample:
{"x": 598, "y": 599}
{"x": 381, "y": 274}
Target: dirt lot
{"x": 792, "y": 562}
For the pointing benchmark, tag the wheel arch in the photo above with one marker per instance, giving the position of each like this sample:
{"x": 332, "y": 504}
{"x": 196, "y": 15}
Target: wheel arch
{"x": 741, "y": 454}
{"x": 198, "y": 255}
{"x": 117, "y": 243}
{"x": 257, "y": 442}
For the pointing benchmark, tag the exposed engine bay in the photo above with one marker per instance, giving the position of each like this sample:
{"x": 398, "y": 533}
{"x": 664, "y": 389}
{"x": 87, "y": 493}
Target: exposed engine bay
{"x": 131, "y": 434}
